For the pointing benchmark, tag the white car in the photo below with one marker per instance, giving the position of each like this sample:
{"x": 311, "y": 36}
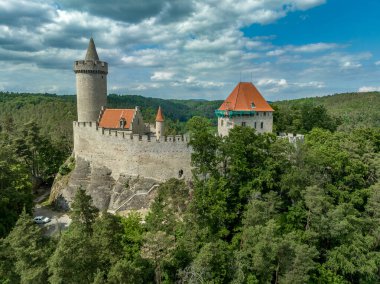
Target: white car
{"x": 41, "y": 220}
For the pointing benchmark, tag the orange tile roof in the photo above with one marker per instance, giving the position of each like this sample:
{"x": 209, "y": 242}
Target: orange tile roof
{"x": 160, "y": 116}
{"x": 242, "y": 97}
{"x": 111, "y": 118}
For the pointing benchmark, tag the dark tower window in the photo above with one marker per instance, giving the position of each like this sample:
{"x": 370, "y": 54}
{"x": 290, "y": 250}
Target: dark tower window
{"x": 255, "y": 124}
{"x": 122, "y": 122}
{"x": 243, "y": 123}
{"x": 262, "y": 125}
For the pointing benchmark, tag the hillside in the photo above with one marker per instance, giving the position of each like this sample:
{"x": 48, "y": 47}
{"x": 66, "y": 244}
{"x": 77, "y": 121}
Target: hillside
{"x": 55, "y": 113}
{"x": 355, "y": 109}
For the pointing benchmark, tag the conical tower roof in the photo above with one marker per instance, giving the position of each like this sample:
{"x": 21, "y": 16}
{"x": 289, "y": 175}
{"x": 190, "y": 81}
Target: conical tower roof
{"x": 159, "y": 116}
{"x": 91, "y": 51}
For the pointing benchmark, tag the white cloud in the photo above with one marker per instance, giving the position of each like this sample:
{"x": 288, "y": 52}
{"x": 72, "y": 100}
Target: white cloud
{"x": 369, "y": 89}
{"x": 313, "y": 84}
{"x": 350, "y": 65}
{"x": 276, "y": 52}
{"x": 315, "y": 47}
{"x": 273, "y": 82}
{"x": 377, "y": 63}
{"x": 162, "y": 76}
{"x": 199, "y": 51}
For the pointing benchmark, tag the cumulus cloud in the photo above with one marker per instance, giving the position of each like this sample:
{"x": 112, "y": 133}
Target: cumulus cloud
{"x": 184, "y": 48}
{"x": 162, "y": 76}
{"x": 369, "y": 89}
{"x": 132, "y": 11}
{"x": 273, "y": 82}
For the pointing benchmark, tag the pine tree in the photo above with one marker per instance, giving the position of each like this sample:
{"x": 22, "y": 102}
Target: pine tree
{"x": 31, "y": 250}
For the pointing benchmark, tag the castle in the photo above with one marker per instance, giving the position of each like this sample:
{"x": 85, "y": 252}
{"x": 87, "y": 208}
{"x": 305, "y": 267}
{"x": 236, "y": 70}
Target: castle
{"x": 120, "y": 140}
{"x": 120, "y": 159}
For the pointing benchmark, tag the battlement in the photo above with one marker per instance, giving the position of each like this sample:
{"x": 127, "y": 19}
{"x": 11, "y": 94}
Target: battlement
{"x": 292, "y": 137}
{"x": 91, "y": 66}
{"x": 127, "y": 135}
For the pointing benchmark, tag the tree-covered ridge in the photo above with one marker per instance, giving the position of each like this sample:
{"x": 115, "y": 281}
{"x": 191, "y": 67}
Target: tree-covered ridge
{"x": 355, "y": 110}
{"x": 54, "y": 114}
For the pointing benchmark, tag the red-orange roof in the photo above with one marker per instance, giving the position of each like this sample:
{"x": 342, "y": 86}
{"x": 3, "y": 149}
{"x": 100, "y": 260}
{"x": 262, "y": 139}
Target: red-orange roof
{"x": 245, "y": 97}
{"x": 111, "y": 118}
{"x": 159, "y": 116}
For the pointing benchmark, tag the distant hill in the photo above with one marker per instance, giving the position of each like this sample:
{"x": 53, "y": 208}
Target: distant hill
{"x": 55, "y": 113}
{"x": 354, "y": 109}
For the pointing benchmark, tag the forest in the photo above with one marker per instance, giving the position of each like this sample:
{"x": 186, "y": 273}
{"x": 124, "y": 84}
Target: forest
{"x": 258, "y": 209}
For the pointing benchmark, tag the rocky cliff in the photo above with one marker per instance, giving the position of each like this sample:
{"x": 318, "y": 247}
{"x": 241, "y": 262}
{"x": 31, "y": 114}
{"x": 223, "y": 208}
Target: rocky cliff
{"x": 125, "y": 193}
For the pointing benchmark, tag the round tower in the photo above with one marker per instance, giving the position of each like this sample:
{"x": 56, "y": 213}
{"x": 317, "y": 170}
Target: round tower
{"x": 91, "y": 82}
{"x": 159, "y": 124}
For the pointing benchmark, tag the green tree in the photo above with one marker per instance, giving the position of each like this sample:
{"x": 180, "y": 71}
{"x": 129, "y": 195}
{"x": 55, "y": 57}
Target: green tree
{"x": 157, "y": 248}
{"x": 107, "y": 239}
{"x": 83, "y": 213}
{"x": 31, "y": 250}
{"x": 75, "y": 260}
{"x": 205, "y": 144}
{"x": 38, "y": 152}
{"x": 213, "y": 264}
{"x": 15, "y": 187}
{"x": 7, "y": 264}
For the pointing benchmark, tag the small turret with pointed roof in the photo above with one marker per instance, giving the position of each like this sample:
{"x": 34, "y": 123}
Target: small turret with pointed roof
{"x": 159, "y": 123}
{"x": 159, "y": 116}
{"x": 91, "y": 77}
{"x": 91, "y": 51}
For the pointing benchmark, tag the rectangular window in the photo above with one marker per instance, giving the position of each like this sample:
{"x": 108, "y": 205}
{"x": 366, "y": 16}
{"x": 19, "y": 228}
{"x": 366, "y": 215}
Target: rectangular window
{"x": 255, "y": 124}
{"x": 262, "y": 125}
{"x": 265, "y": 113}
{"x": 243, "y": 123}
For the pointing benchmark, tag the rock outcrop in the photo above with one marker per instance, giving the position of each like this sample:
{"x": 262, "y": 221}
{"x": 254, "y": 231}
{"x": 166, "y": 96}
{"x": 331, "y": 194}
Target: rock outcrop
{"x": 125, "y": 193}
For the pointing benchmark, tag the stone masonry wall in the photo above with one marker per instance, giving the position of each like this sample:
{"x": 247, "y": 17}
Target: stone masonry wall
{"x": 91, "y": 85}
{"x": 133, "y": 155}
{"x": 229, "y": 123}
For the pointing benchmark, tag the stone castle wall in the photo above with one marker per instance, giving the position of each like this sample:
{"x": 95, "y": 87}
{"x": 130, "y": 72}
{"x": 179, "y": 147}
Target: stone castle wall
{"x": 132, "y": 154}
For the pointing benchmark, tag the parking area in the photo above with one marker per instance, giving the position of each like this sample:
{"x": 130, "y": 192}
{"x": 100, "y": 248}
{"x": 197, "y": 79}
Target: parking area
{"x": 59, "y": 221}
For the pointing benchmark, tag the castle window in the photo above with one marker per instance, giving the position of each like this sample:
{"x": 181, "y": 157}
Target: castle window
{"x": 255, "y": 124}
{"x": 265, "y": 113}
{"x": 122, "y": 122}
{"x": 221, "y": 122}
{"x": 243, "y": 123}
{"x": 253, "y": 105}
{"x": 262, "y": 125}
{"x": 257, "y": 114}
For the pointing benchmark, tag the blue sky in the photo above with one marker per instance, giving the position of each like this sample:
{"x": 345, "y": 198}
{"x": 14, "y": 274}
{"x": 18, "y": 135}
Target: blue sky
{"x": 348, "y": 22}
{"x": 195, "y": 48}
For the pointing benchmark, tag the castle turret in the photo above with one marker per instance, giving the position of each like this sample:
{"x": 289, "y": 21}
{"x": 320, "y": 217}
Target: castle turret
{"x": 159, "y": 124}
{"x": 91, "y": 78}
{"x": 245, "y": 106}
